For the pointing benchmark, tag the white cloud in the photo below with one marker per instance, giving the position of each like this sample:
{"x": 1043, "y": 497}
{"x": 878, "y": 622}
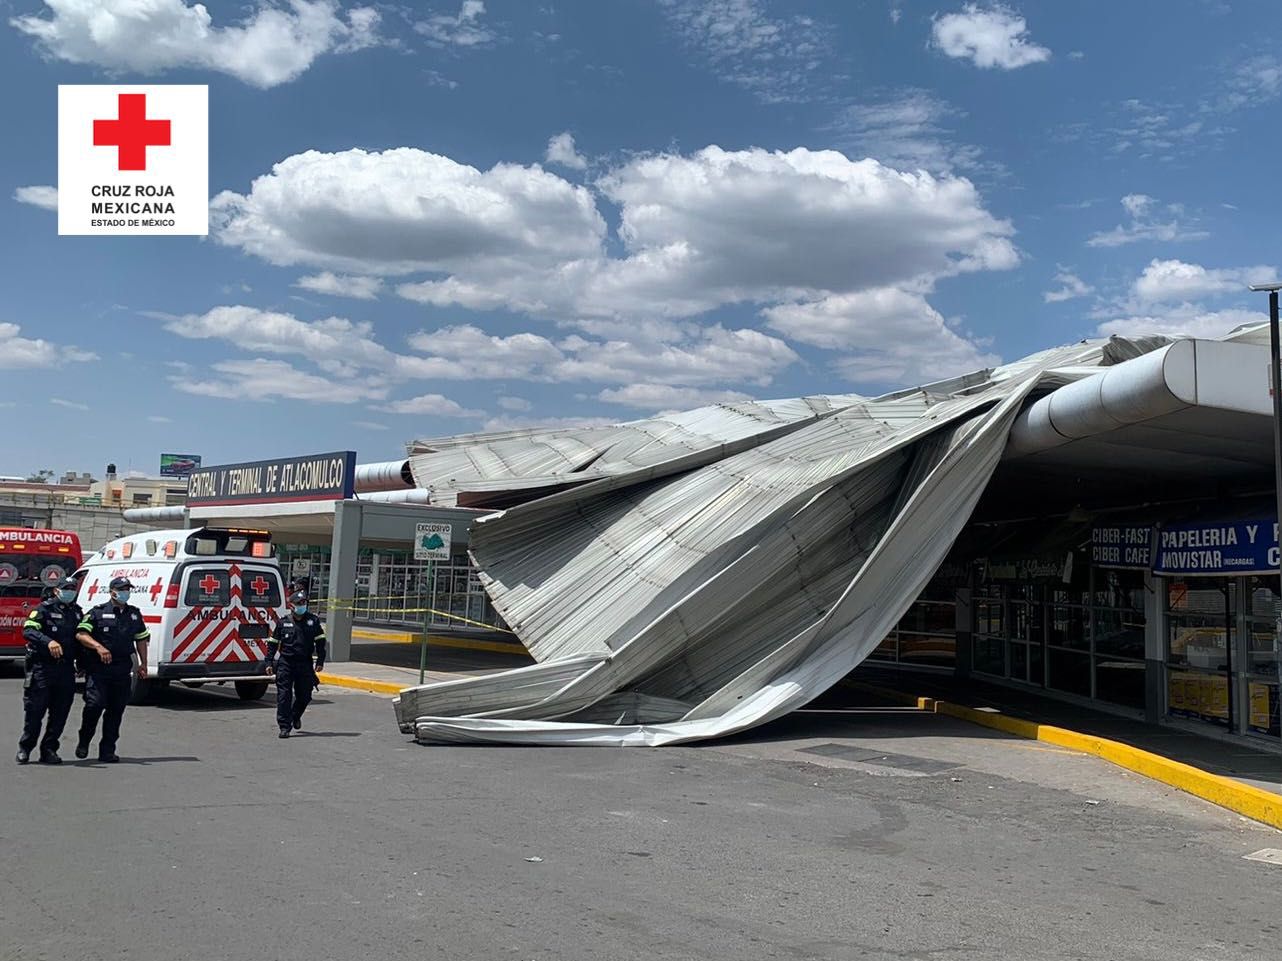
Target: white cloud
{"x": 274, "y": 45}
{"x": 989, "y": 37}
{"x": 1168, "y": 281}
{"x": 368, "y": 425}
{"x": 1254, "y": 82}
{"x": 342, "y": 285}
{"x": 1186, "y": 320}
{"x": 666, "y": 397}
{"x": 884, "y": 336}
{"x": 263, "y": 379}
{"x": 714, "y": 355}
{"x": 157, "y": 419}
{"x": 507, "y": 422}
{"x": 777, "y": 59}
{"x": 696, "y": 232}
{"x": 18, "y": 352}
{"x": 430, "y": 405}
{"x": 561, "y": 151}
{"x": 514, "y": 403}
{"x": 722, "y": 227}
{"x": 342, "y": 344}
{"x": 44, "y": 197}
{"x": 407, "y": 210}
{"x": 1144, "y": 224}
{"x": 462, "y": 30}
{"x": 468, "y": 353}
{"x": 1070, "y": 286}
{"x": 908, "y": 130}
{"x": 73, "y": 405}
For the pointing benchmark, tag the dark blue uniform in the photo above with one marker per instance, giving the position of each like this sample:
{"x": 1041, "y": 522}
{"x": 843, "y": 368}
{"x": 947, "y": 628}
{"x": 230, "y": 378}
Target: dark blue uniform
{"x": 298, "y": 640}
{"x": 117, "y": 628}
{"x": 51, "y": 681}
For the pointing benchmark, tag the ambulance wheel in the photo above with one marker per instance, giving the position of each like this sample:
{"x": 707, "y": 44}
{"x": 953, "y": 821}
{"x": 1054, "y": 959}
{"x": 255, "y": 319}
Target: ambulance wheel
{"x": 250, "y": 690}
{"x": 139, "y": 689}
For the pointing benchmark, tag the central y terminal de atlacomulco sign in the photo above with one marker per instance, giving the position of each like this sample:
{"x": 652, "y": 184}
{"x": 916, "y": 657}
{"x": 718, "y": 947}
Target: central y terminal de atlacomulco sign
{"x": 313, "y": 477}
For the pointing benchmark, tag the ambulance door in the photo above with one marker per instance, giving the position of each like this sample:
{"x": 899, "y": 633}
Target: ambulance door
{"x": 263, "y": 598}
{"x": 206, "y": 621}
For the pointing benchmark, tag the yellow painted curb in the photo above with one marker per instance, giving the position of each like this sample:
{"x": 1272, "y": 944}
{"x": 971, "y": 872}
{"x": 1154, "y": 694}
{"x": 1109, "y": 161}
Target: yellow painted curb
{"x": 437, "y": 640}
{"x": 1255, "y": 803}
{"x": 362, "y": 684}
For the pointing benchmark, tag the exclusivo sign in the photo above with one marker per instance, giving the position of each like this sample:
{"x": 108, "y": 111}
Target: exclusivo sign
{"x": 313, "y": 477}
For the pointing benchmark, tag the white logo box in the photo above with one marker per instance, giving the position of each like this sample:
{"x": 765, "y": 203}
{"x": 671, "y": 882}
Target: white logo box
{"x": 171, "y": 196}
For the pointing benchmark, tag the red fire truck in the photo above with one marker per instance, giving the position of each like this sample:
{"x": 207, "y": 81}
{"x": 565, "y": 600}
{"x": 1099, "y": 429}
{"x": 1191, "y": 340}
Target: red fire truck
{"x": 31, "y": 559}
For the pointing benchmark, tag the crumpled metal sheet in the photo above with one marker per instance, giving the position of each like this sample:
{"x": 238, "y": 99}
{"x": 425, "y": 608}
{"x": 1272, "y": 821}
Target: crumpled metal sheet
{"x": 676, "y": 608}
{"x": 476, "y": 470}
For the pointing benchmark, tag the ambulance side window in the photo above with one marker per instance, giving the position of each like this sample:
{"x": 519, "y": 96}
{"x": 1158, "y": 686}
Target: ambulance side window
{"x": 208, "y": 587}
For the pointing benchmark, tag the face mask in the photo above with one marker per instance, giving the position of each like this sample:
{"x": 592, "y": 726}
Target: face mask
{"x": 67, "y": 597}
{"x": 121, "y": 597}
{"x": 301, "y": 610}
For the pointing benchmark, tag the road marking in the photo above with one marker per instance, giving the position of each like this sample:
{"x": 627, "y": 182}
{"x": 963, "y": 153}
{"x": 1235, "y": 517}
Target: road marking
{"x": 1267, "y": 855}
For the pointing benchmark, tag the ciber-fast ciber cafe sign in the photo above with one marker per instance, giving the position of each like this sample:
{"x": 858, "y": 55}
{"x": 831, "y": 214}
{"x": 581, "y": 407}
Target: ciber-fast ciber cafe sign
{"x": 133, "y": 160}
{"x": 314, "y": 477}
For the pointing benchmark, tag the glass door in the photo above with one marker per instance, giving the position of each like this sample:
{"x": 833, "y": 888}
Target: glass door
{"x": 1261, "y": 665}
{"x": 1028, "y": 634}
{"x": 1201, "y": 628}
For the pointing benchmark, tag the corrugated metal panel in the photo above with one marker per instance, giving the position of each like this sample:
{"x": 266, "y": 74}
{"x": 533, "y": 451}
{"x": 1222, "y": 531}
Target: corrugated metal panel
{"x": 739, "y": 590}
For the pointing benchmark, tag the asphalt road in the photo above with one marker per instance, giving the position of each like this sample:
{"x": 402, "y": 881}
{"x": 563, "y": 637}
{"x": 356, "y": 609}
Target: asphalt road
{"x": 214, "y": 840}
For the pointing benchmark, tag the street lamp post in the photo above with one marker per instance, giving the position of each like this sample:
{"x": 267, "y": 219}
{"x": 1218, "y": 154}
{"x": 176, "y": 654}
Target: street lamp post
{"x": 1275, "y": 389}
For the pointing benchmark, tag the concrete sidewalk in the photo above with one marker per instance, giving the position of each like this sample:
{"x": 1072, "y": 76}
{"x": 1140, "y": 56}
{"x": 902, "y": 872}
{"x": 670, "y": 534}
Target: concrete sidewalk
{"x": 1234, "y": 774}
{"x": 388, "y": 667}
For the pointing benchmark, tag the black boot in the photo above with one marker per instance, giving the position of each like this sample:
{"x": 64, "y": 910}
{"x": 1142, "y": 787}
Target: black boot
{"x": 50, "y": 757}
{"x": 112, "y": 758}
{"x": 23, "y": 755}
{"x": 284, "y": 732}
{"x": 82, "y": 749}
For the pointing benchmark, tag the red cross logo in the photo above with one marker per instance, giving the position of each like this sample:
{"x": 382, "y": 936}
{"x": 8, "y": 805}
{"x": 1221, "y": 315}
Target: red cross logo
{"x": 93, "y": 589}
{"x": 209, "y": 584}
{"x": 259, "y": 585}
{"x": 132, "y": 133}
{"x": 155, "y": 590}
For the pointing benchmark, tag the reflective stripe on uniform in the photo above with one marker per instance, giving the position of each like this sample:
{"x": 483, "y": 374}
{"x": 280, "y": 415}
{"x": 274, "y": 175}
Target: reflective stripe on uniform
{"x": 85, "y": 626}
{"x": 32, "y": 622}
{"x": 144, "y": 636}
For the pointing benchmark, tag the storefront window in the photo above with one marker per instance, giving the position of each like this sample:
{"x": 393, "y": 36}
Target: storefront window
{"x": 1200, "y": 615}
{"x": 1262, "y": 663}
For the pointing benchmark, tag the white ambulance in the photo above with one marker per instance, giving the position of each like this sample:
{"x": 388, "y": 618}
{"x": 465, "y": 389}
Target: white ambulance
{"x": 209, "y": 596}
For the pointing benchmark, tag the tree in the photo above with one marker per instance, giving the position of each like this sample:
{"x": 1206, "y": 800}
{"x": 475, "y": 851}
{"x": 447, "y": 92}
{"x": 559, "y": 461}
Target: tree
{"x": 40, "y": 477}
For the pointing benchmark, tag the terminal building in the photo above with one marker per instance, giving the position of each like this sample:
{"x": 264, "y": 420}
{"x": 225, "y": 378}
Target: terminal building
{"x": 1118, "y": 548}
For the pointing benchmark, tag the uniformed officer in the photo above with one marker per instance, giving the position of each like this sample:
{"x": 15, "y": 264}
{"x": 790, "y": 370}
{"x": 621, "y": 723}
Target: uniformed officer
{"x": 297, "y": 637}
{"x": 50, "y": 633}
{"x": 112, "y": 633}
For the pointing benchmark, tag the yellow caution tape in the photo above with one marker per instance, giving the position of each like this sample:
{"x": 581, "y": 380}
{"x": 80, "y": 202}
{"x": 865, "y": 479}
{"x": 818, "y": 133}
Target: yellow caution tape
{"x": 344, "y": 605}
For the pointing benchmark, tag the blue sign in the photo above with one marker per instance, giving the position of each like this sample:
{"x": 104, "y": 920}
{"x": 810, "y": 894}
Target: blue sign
{"x": 316, "y": 477}
{"x": 1128, "y": 546}
{"x": 1225, "y": 548}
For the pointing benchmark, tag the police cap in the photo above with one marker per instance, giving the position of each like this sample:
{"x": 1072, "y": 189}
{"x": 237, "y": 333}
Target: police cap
{"x": 121, "y": 584}
{"x": 68, "y": 584}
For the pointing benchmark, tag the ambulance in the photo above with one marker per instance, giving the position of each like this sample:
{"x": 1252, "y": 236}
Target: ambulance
{"x": 209, "y": 596}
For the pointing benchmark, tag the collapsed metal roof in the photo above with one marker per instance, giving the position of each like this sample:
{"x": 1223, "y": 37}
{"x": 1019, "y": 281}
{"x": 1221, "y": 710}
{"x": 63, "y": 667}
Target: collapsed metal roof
{"x": 697, "y": 583}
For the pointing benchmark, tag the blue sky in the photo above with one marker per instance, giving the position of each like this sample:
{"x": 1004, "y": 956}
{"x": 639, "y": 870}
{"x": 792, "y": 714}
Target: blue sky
{"x": 438, "y": 218}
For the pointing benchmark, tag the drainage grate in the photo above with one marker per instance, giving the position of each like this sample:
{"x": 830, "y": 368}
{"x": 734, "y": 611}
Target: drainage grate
{"x": 903, "y": 762}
